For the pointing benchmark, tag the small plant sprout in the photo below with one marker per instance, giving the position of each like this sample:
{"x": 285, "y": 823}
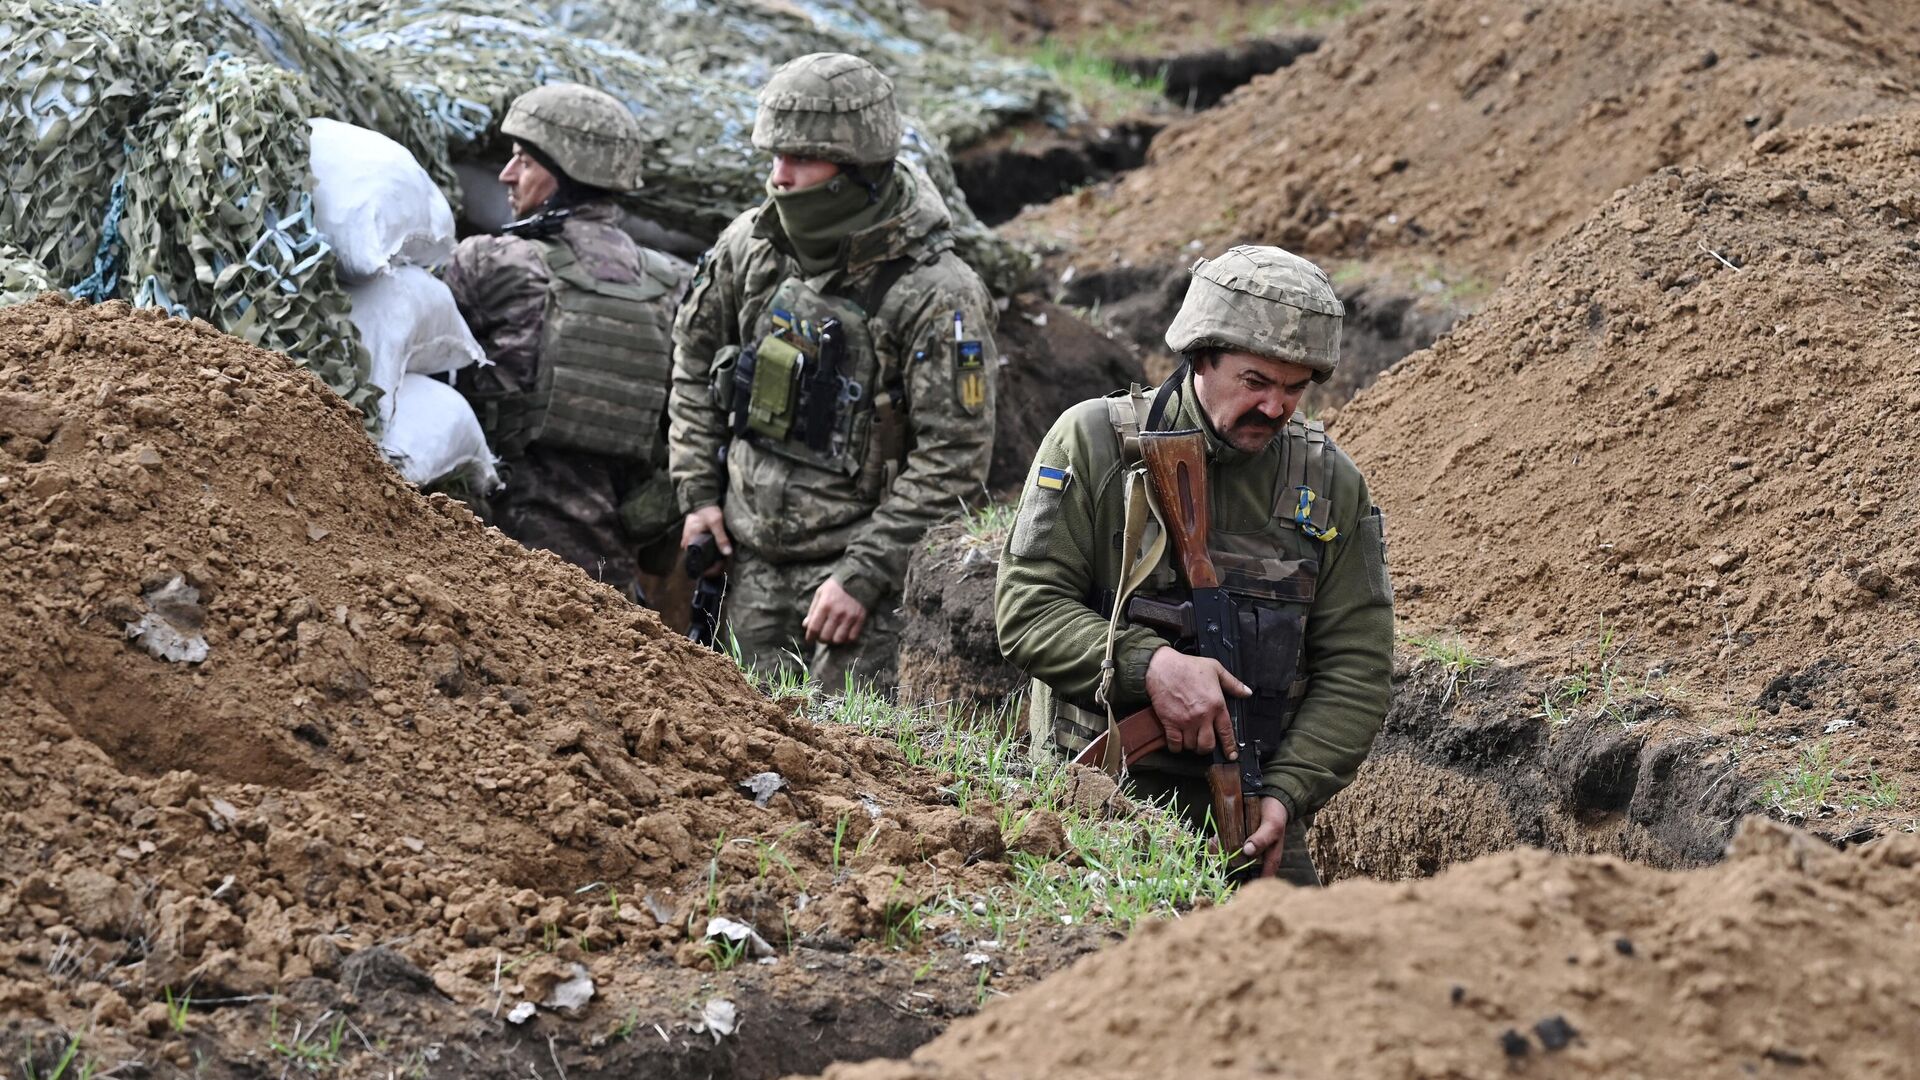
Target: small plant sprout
{"x": 177, "y": 1010}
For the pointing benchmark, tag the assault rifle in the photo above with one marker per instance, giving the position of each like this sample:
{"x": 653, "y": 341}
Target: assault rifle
{"x": 1177, "y": 471}
{"x": 707, "y": 591}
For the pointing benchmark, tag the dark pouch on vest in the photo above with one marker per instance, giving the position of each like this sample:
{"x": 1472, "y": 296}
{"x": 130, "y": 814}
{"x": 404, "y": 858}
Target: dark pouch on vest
{"x": 720, "y": 378}
{"x": 776, "y": 374}
{"x": 1270, "y": 640}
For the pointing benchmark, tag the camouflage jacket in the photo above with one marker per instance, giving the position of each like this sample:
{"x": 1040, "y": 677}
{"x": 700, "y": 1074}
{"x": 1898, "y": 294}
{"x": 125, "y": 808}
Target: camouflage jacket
{"x": 867, "y": 519}
{"x": 1064, "y": 554}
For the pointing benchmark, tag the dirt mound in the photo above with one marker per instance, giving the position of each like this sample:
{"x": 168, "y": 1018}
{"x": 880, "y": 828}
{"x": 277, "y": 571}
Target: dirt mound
{"x": 1471, "y": 132}
{"x": 1788, "y": 957}
{"x": 1684, "y": 431}
{"x": 1051, "y": 360}
{"x": 1782, "y": 959}
{"x": 406, "y": 731}
{"x": 1181, "y": 22}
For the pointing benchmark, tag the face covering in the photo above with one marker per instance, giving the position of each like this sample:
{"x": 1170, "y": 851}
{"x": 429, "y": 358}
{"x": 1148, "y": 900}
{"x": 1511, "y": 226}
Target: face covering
{"x": 819, "y": 219}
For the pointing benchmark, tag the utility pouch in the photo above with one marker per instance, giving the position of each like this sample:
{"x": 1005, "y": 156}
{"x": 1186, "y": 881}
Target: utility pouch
{"x": 720, "y": 387}
{"x": 775, "y": 389}
{"x": 651, "y": 510}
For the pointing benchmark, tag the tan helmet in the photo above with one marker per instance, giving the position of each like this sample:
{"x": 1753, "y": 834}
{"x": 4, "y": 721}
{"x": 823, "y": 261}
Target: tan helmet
{"x": 1265, "y": 301}
{"x": 830, "y": 106}
{"x": 587, "y": 132}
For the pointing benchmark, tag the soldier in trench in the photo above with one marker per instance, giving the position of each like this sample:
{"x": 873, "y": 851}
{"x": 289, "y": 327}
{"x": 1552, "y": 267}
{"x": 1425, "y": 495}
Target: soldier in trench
{"x": 1296, "y": 539}
{"x": 576, "y": 318}
{"x": 833, "y": 383}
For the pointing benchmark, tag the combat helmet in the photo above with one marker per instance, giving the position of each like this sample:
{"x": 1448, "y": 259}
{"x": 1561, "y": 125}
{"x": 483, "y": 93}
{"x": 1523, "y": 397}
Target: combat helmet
{"x": 830, "y": 106}
{"x": 1265, "y": 301}
{"x": 587, "y": 132}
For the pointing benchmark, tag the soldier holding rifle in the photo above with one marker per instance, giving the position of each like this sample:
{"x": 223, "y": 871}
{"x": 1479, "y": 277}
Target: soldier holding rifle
{"x": 1197, "y": 580}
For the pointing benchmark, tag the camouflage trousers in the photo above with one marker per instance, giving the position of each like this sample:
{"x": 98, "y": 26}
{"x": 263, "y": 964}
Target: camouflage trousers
{"x": 1190, "y": 798}
{"x": 569, "y": 503}
{"x": 767, "y": 602}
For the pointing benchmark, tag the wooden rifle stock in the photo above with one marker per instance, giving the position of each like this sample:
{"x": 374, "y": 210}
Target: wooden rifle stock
{"x": 1176, "y": 463}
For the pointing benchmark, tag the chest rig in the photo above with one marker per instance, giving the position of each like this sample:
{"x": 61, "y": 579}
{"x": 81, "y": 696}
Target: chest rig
{"x": 606, "y": 360}
{"x": 1268, "y": 551}
{"x": 816, "y": 384}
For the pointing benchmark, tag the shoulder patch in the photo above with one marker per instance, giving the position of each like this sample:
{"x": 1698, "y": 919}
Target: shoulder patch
{"x": 969, "y": 370}
{"x": 1052, "y": 479}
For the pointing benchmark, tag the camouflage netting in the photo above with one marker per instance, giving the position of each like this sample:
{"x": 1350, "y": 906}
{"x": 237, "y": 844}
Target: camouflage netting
{"x": 351, "y": 88}
{"x": 464, "y": 61}
{"x": 21, "y": 277}
{"x": 219, "y": 217}
{"x": 71, "y": 78}
{"x": 963, "y": 93}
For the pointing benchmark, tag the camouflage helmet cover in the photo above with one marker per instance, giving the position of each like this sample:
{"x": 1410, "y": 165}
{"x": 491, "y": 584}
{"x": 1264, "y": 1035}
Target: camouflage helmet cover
{"x": 587, "y": 132}
{"x": 1265, "y": 301}
{"x": 830, "y": 106}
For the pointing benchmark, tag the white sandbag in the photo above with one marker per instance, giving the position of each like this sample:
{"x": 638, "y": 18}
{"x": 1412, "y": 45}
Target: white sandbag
{"x": 434, "y": 436}
{"x": 378, "y": 207}
{"x": 409, "y": 322}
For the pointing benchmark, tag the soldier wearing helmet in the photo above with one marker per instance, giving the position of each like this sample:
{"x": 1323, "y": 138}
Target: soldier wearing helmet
{"x": 1296, "y": 540}
{"x": 577, "y": 319}
{"x": 833, "y": 379}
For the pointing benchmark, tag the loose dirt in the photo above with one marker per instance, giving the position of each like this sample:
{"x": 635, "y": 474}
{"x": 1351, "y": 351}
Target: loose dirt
{"x": 1789, "y": 959}
{"x": 1674, "y": 451}
{"x": 409, "y": 738}
{"x": 1470, "y": 133}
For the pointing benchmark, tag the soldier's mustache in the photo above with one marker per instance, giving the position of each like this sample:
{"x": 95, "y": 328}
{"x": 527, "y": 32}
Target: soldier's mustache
{"x": 1253, "y": 420}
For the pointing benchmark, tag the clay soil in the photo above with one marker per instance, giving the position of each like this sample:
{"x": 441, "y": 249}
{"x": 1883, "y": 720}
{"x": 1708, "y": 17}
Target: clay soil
{"x": 1467, "y": 134}
{"x": 1788, "y": 959}
{"x": 1681, "y": 435}
{"x": 422, "y": 775}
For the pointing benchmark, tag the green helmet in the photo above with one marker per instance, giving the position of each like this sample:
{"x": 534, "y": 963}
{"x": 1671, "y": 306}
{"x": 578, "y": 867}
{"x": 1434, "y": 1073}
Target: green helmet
{"x": 830, "y": 106}
{"x": 1264, "y": 301}
{"x": 587, "y": 132}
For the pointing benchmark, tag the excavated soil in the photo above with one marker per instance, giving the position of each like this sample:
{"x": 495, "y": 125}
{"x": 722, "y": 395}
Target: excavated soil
{"x": 1788, "y": 959}
{"x": 1675, "y": 454}
{"x": 417, "y": 761}
{"x": 1050, "y": 360}
{"x": 1173, "y": 24}
{"x": 949, "y": 649}
{"x": 1473, "y": 132}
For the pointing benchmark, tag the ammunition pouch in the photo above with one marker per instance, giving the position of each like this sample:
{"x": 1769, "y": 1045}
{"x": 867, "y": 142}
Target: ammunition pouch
{"x": 774, "y": 397}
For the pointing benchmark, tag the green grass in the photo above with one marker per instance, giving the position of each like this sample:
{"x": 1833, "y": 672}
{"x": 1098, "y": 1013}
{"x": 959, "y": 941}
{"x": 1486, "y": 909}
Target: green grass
{"x": 1146, "y": 867}
{"x": 1599, "y": 685}
{"x": 991, "y": 520}
{"x": 1089, "y": 73}
{"x": 307, "y": 1048}
{"x": 1815, "y": 780}
{"x": 177, "y": 1010}
{"x": 1452, "y": 656}
{"x": 68, "y": 1066}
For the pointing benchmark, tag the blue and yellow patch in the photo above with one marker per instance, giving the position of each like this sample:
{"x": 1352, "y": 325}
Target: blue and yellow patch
{"x": 1052, "y": 479}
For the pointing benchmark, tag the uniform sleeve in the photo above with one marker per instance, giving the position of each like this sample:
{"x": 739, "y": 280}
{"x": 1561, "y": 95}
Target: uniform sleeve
{"x": 1349, "y": 662}
{"x": 500, "y": 286}
{"x": 697, "y": 428}
{"x": 950, "y": 414}
{"x": 1046, "y": 625}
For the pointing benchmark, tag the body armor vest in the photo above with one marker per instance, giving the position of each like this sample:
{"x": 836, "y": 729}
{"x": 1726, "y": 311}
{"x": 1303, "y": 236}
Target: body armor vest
{"x": 606, "y": 360}
{"x": 1269, "y": 560}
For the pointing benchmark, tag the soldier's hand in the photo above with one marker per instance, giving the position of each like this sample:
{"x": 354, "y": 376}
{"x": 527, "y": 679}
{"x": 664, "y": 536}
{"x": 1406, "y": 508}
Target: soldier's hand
{"x": 835, "y": 617}
{"x": 708, "y": 519}
{"x": 1188, "y": 694}
{"x": 1268, "y": 841}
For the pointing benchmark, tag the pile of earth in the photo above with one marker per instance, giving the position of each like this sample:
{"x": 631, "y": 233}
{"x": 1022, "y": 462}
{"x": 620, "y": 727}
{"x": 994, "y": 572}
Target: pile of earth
{"x": 1469, "y": 133}
{"x": 268, "y": 712}
{"x": 1676, "y": 451}
{"x": 1179, "y": 24}
{"x": 1787, "y": 959}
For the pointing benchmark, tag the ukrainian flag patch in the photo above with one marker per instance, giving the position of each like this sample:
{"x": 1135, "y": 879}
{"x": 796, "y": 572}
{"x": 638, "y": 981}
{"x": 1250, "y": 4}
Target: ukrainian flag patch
{"x": 1052, "y": 479}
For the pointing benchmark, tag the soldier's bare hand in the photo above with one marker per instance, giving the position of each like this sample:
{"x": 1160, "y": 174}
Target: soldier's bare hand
{"x": 708, "y": 519}
{"x": 1188, "y": 694}
{"x": 1268, "y": 841}
{"x": 835, "y": 617}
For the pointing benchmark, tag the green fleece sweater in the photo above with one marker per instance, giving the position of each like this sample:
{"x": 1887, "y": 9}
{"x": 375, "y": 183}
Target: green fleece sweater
{"x": 1064, "y": 552}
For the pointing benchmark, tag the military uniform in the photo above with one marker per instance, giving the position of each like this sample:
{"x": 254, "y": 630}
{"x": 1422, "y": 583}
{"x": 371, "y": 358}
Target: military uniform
{"x": 821, "y": 482}
{"x": 576, "y": 318}
{"x": 1295, "y": 537}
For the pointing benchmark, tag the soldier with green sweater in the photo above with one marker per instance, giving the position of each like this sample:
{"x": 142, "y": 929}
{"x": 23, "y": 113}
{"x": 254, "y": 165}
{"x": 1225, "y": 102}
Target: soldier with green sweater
{"x": 1297, "y": 541}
